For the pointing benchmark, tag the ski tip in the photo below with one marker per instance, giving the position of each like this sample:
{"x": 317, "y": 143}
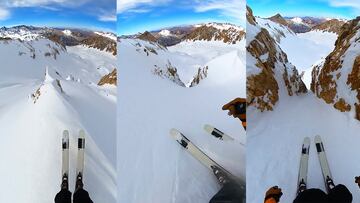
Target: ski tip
{"x": 307, "y": 140}
{"x": 208, "y": 128}
{"x": 65, "y": 134}
{"x": 317, "y": 139}
{"x": 175, "y": 134}
{"x": 81, "y": 133}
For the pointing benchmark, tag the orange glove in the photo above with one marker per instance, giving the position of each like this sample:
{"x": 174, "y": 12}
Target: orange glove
{"x": 237, "y": 109}
{"x": 357, "y": 180}
{"x": 273, "y": 195}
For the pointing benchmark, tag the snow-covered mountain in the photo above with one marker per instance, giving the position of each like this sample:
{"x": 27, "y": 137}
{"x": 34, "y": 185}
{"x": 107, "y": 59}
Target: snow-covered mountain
{"x": 182, "y": 86}
{"x": 224, "y": 32}
{"x": 336, "y": 79}
{"x": 306, "y": 24}
{"x": 65, "y": 36}
{"x": 270, "y": 76}
{"x": 46, "y": 87}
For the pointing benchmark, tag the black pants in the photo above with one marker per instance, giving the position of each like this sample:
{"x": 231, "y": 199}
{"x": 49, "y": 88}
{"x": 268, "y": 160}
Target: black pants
{"x": 80, "y": 196}
{"x": 339, "y": 194}
{"x": 229, "y": 193}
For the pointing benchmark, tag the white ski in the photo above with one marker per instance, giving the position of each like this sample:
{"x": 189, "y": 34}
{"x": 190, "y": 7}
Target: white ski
{"x": 324, "y": 163}
{"x": 200, "y": 155}
{"x": 217, "y": 133}
{"x": 65, "y": 159}
{"x": 303, "y": 169}
{"x": 80, "y": 158}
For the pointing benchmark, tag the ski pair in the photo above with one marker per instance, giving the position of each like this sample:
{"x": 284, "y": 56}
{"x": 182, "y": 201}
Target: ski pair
{"x": 303, "y": 170}
{"x": 221, "y": 173}
{"x": 65, "y": 160}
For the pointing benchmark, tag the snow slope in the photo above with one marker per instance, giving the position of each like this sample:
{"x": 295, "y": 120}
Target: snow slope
{"x": 34, "y": 110}
{"x": 274, "y": 144}
{"x": 306, "y": 49}
{"x": 151, "y": 165}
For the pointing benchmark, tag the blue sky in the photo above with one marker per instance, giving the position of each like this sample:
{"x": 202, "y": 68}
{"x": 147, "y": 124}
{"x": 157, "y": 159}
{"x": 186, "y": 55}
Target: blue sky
{"x": 91, "y": 14}
{"x": 347, "y": 9}
{"x": 140, "y": 15}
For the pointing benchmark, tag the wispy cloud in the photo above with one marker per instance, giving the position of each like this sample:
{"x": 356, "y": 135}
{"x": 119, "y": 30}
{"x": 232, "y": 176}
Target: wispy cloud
{"x": 107, "y": 17}
{"x": 4, "y": 14}
{"x": 133, "y": 5}
{"x": 355, "y": 4}
{"x": 232, "y": 8}
{"x": 34, "y": 3}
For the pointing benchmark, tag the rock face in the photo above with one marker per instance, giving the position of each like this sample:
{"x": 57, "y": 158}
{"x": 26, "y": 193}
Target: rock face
{"x": 101, "y": 43}
{"x": 337, "y": 79}
{"x": 209, "y": 32}
{"x": 332, "y": 25}
{"x": 147, "y": 36}
{"x": 110, "y": 79}
{"x": 279, "y": 19}
{"x": 269, "y": 74}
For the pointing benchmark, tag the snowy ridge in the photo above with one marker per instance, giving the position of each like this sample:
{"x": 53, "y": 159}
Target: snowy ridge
{"x": 46, "y": 89}
{"x": 109, "y": 35}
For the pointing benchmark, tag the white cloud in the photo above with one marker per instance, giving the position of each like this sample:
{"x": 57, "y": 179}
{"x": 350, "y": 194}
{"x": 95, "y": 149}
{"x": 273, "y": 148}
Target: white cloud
{"x": 34, "y": 3}
{"x": 345, "y": 3}
{"x": 232, "y": 8}
{"x": 131, "y": 5}
{"x": 4, "y": 14}
{"x": 107, "y": 17}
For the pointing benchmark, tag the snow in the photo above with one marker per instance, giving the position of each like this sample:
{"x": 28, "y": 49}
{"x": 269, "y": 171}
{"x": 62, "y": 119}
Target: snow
{"x": 221, "y": 26}
{"x": 274, "y": 145}
{"x": 32, "y": 129}
{"x": 158, "y": 169}
{"x": 109, "y": 35}
{"x": 297, "y": 20}
{"x": 165, "y": 33}
{"x": 67, "y": 32}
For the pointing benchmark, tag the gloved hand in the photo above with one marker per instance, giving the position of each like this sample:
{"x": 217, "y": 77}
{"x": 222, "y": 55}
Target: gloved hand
{"x": 274, "y": 192}
{"x": 237, "y": 109}
{"x": 357, "y": 180}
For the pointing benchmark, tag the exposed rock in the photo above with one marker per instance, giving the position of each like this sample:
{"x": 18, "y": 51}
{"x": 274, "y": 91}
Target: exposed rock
{"x": 209, "y": 32}
{"x": 110, "y": 79}
{"x": 201, "y": 74}
{"x": 147, "y": 36}
{"x": 271, "y": 65}
{"x": 101, "y": 43}
{"x": 340, "y": 72}
{"x": 332, "y": 25}
{"x": 279, "y": 19}
{"x": 169, "y": 72}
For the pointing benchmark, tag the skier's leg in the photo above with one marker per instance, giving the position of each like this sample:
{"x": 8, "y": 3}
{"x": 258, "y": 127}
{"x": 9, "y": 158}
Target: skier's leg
{"x": 340, "y": 193}
{"x": 230, "y": 192}
{"x": 81, "y": 195}
{"x": 311, "y": 196}
{"x": 64, "y": 196}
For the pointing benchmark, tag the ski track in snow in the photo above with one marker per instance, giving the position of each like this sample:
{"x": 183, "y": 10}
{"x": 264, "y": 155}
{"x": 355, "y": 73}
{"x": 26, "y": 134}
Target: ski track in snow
{"x": 31, "y": 133}
{"x": 274, "y": 145}
{"x": 149, "y": 106}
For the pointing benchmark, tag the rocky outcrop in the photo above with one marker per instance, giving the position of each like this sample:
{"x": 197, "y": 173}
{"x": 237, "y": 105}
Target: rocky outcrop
{"x": 201, "y": 74}
{"x": 110, "y": 79}
{"x": 337, "y": 79}
{"x": 101, "y": 43}
{"x": 279, "y": 19}
{"x": 147, "y": 36}
{"x": 229, "y": 35}
{"x": 332, "y": 25}
{"x": 169, "y": 72}
{"x": 269, "y": 72}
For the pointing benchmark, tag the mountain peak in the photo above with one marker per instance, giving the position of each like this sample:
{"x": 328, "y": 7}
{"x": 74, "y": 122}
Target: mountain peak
{"x": 147, "y": 36}
{"x": 278, "y": 19}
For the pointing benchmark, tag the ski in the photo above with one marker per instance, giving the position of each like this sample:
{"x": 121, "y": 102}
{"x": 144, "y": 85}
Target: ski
{"x": 202, "y": 157}
{"x": 217, "y": 133}
{"x": 65, "y": 160}
{"x": 80, "y": 160}
{"x": 329, "y": 184}
{"x": 303, "y": 169}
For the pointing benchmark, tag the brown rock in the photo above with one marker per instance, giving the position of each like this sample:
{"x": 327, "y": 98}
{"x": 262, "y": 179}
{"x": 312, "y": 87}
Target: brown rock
{"x": 110, "y": 78}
